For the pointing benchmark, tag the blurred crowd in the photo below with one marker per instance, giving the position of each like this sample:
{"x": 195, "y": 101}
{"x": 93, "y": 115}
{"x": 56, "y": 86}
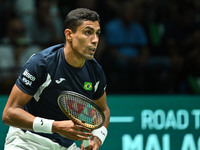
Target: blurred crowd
{"x": 146, "y": 46}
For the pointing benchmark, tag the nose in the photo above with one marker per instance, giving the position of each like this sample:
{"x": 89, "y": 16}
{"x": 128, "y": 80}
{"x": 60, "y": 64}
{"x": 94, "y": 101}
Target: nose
{"x": 95, "y": 39}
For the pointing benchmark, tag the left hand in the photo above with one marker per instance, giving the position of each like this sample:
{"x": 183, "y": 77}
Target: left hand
{"x": 95, "y": 144}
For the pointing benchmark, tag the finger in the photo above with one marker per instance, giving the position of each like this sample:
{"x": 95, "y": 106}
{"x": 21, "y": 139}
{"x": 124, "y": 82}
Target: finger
{"x": 84, "y": 148}
{"x": 94, "y": 145}
{"x": 78, "y": 137}
{"x": 85, "y": 134}
{"x": 81, "y": 146}
{"x": 95, "y": 148}
{"x": 82, "y": 128}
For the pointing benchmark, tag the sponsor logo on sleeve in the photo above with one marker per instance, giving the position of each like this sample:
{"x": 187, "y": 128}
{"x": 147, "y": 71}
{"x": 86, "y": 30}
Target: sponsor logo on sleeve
{"x": 28, "y": 78}
{"x": 26, "y": 81}
{"x": 28, "y": 75}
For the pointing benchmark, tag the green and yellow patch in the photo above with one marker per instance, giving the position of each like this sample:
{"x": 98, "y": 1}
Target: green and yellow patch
{"x": 88, "y": 86}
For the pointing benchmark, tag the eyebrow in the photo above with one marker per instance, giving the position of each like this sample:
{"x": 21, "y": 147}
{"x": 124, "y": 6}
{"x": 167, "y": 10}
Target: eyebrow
{"x": 90, "y": 28}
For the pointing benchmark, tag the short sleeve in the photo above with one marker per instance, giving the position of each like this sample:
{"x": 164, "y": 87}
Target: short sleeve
{"x": 100, "y": 86}
{"x": 32, "y": 75}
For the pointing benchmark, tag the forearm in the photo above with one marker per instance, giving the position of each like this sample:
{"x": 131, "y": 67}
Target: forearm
{"x": 14, "y": 114}
{"x": 18, "y": 117}
{"x": 107, "y": 117}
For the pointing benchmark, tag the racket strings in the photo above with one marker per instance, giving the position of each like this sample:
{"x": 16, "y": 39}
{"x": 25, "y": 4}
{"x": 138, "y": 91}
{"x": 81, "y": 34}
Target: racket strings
{"x": 81, "y": 110}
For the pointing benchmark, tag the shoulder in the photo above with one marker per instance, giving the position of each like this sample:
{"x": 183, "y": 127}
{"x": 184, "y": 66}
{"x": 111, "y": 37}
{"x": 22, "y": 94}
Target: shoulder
{"x": 47, "y": 53}
{"x": 51, "y": 50}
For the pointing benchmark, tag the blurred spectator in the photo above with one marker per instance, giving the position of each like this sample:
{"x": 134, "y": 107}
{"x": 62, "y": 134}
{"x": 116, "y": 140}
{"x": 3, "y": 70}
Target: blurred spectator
{"x": 179, "y": 38}
{"x": 192, "y": 69}
{"x": 45, "y": 28}
{"x": 6, "y": 11}
{"x": 15, "y": 49}
{"x": 152, "y": 15}
{"x": 90, "y": 4}
{"x": 24, "y": 9}
{"x": 146, "y": 46}
{"x": 191, "y": 64}
{"x": 127, "y": 46}
{"x": 108, "y": 10}
{"x": 65, "y": 6}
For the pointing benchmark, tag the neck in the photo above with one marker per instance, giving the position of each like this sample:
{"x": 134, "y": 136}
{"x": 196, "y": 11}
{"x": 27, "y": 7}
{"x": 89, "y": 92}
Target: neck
{"x": 72, "y": 58}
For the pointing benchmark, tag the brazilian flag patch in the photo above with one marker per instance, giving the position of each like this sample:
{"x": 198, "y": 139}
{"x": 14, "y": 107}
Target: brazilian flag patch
{"x": 88, "y": 86}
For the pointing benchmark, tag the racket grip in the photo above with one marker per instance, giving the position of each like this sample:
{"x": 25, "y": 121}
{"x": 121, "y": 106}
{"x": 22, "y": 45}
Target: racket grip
{"x": 86, "y": 143}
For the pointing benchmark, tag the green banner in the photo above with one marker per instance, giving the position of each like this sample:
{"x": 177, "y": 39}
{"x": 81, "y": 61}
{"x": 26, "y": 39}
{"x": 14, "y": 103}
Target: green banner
{"x": 154, "y": 123}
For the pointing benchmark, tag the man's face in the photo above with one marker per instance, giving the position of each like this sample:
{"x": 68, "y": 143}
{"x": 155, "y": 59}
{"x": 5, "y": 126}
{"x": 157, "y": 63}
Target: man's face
{"x": 85, "y": 39}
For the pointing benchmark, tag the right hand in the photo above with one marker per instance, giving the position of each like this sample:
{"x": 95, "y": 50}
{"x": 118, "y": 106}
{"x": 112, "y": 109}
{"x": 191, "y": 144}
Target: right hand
{"x": 71, "y": 130}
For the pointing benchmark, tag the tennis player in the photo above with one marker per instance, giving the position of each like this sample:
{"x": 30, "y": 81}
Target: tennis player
{"x": 35, "y": 119}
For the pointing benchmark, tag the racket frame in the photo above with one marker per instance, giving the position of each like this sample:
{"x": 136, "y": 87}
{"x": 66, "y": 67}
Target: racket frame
{"x": 84, "y": 98}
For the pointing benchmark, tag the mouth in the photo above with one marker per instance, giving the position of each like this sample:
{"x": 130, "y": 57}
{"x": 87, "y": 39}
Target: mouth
{"x": 92, "y": 50}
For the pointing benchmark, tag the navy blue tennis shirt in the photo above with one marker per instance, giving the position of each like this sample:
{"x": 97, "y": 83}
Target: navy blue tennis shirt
{"x": 46, "y": 74}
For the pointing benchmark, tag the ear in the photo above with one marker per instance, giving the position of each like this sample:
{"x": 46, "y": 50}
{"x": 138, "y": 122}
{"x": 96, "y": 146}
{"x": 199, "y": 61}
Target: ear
{"x": 68, "y": 34}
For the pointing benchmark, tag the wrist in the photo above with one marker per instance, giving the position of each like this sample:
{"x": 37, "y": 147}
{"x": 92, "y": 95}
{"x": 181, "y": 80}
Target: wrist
{"x": 42, "y": 125}
{"x": 97, "y": 140}
{"x": 101, "y": 133}
{"x": 55, "y": 127}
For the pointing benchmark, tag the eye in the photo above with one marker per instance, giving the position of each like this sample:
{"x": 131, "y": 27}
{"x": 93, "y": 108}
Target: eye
{"x": 98, "y": 34}
{"x": 88, "y": 32}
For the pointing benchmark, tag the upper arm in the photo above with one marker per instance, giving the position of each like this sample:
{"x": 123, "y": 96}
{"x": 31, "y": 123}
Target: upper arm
{"x": 17, "y": 98}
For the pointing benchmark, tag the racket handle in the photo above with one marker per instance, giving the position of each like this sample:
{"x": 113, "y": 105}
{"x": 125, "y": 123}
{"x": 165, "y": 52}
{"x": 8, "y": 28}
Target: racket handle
{"x": 86, "y": 143}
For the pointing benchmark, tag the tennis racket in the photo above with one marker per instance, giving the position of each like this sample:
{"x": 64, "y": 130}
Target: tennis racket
{"x": 81, "y": 110}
